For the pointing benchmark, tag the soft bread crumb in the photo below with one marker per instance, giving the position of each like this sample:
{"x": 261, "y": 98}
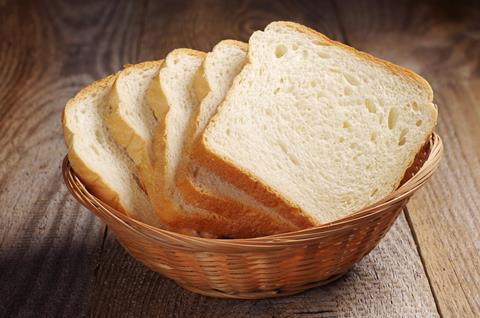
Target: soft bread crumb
{"x": 323, "y": 129}
{"x": 102, "y": 165}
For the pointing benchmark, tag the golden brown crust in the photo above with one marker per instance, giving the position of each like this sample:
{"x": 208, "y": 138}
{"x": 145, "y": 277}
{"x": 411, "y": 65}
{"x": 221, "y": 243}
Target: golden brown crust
{"x": 248, "y": 182}
{"x": 249, "y": 220}
{"x": 244, "y": 222}
{"x": 245, "y": 181}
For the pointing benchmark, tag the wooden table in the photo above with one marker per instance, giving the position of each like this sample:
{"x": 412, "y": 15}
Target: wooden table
{"x": 57, "y": 259}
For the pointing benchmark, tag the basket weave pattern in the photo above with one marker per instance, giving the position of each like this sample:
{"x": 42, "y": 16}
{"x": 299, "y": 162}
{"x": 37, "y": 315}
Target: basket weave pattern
{"x": 268, "y": 266}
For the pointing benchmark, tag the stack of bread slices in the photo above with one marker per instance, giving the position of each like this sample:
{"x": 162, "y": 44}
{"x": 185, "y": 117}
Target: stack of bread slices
{"x": 289, "y": 131}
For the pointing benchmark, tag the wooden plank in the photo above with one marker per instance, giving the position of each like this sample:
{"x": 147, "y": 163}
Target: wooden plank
{"x": 440, "y": 41}
{"x": 445, "y": 214}
{"x": 200, "y": 24}
{"x": 390, "y": 282}
{"x": 49, "y": 245}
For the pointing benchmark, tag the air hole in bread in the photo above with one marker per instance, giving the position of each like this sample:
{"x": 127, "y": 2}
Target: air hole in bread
{"x": 346, "y": 125}
{"x": 354, "y": 146}
{"x": 175, "y": 61}
{"x": 352, "y": 80}
{"x": 374, "y": 137}
{"x": 341, "y": 139}
{"x": 228, "y": 132}
{"x": 323, "y": 55}
{"x": 392, "y": 118}
{"x": 280, "y": 50}
{"x": 313, "y": 83}
{"x": 295, "y": 47}
{"x": 370, "y": 106}
{"x": 373, "y": 192}
{"x": 275, "y": 92}
{"x": 347, "y": 201}
{"x": 402, "y": 138}
{"x": 415, "y": 106}
{"x": 305, "y": 54}
{"x": 95, "y": 149}
{"x": 347, "y": 91}
{"x": 419, "y": 123}
{"x": 99, "y": 137}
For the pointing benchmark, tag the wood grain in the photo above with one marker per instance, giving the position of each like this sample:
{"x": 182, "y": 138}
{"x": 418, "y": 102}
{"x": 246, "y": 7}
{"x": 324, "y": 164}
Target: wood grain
{"x": 49, "y": 245}
{"x": 445, "y": 215}
{"x": 57, "y": 259}
{"x": 389, "y": 282}
{"x": 441, "y": 41}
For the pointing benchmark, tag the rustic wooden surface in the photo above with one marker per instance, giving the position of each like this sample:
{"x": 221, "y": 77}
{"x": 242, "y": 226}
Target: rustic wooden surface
{"x": 57, "y": 259}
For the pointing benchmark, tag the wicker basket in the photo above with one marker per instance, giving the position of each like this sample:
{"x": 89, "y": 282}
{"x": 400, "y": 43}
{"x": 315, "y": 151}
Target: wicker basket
{"x": 268, "y": 266}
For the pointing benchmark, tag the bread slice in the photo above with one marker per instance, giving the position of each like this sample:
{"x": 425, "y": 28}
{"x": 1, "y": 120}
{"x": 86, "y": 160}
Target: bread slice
{"x": 316, "y": 128}
{"x": 131, "y": 121}
{"x": 103, "y": 166}
{"x": 173, "y": 101}
{"x": 198, "y": 186}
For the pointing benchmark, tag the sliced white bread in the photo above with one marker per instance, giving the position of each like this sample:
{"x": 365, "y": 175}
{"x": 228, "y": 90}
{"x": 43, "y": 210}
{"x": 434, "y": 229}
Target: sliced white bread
{"x": 198, "y": 186}
{"x": 104, "y": 167}
{"x": 316, "y": 128}
{"x": 173, "y": 101}
{"x": 131, "y": 121}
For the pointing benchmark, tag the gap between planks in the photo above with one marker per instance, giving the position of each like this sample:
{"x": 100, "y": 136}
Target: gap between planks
{"x": 406, "y": 212}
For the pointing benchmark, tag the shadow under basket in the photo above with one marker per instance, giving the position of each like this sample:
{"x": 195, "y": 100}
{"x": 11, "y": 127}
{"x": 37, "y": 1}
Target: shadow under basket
{"x": 262, "y": 267}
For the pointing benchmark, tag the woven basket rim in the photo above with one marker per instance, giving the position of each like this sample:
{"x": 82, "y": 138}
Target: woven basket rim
{"x": 289, "y": 239}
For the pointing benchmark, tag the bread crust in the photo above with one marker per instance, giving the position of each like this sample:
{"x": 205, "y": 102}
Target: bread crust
{"x": 249, "y": 221}
{"x": 252, "y": 185}
{"x": 244, "y": 180}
